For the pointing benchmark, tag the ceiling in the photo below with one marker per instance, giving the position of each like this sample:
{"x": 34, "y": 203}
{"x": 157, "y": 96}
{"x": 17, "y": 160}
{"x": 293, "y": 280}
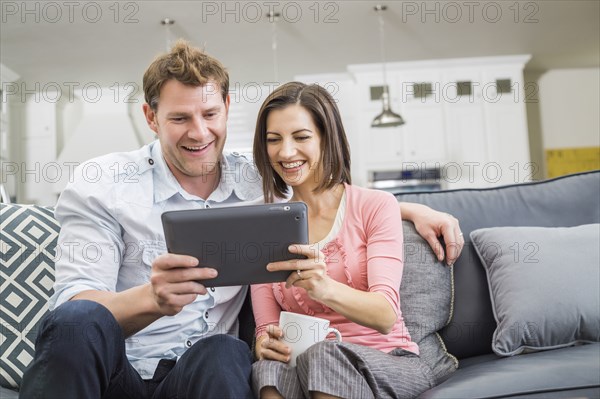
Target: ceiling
{"x": 106, "y": 42}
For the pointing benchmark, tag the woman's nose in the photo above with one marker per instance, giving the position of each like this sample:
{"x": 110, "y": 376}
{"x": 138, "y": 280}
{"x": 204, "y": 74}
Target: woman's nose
{"x": 288, "y": 149}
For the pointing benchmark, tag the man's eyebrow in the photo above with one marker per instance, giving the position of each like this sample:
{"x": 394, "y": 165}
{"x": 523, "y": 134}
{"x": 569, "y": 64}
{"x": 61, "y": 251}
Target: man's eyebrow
{"x": 177, "y": 113}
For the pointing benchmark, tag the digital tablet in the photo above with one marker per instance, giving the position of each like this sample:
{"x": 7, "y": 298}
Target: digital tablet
{"x": 238, "y": 241}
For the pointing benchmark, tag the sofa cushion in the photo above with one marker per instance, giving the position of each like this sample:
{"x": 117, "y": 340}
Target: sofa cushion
{"x": 544, "y": 285}
{"x": 548, "y": 372}
{"x": 27, "y": 250}
{"x": 563, "y": 202}
{"x": 426, "y": 298}
{"x": 6, "y": 393}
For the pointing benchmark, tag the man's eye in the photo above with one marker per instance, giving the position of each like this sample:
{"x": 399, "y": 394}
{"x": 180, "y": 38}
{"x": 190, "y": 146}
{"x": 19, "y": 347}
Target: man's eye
{"x": 178, "y": 120}
{"x": 211, "y": 115}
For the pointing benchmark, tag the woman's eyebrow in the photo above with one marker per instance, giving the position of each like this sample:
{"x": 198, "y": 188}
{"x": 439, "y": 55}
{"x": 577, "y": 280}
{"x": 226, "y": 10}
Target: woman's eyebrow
{"x": 294, "y": 132}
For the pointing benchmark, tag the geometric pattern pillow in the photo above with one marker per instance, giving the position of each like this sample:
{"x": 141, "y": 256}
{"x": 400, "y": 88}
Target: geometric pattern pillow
{"x": 28, "y": 236}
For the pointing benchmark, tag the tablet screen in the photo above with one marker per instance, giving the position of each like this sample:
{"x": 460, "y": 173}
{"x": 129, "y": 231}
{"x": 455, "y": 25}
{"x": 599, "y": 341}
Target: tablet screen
{"x": 238, "y": 241}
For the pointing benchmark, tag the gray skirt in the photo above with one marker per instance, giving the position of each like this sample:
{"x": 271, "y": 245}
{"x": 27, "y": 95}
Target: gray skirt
{"x": 348, "y": 371}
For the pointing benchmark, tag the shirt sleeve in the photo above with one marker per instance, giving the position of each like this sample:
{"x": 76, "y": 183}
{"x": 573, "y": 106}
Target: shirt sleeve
{"x": 90, "y": 246}
{"x": 385, "y": 248}
{"x": 265, "y": 307}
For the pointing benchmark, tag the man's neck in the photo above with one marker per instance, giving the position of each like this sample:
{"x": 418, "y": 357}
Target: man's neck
{"x": 202, "y": 186}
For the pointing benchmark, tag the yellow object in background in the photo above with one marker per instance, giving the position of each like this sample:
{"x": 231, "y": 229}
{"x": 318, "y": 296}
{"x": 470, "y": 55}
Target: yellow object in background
{"x": 565, "y": 161}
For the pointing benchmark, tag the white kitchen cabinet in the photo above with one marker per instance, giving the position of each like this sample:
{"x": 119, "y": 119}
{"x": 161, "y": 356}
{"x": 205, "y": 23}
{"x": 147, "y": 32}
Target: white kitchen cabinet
{"x": 465, "y": 115}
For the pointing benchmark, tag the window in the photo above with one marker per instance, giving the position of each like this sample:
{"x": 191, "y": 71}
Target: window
{"x": 422, "y": 90}
{"x": 503, "y": 86}
{"x": 464, "y": 89}
{"x": 376, "y": 92}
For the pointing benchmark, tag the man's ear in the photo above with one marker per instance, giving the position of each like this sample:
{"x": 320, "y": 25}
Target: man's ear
{"x": 150, "y": 117}
{"x": 227, "y": 102}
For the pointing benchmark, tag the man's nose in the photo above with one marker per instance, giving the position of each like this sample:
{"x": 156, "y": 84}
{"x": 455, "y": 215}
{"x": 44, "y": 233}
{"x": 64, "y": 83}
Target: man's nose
{"x": 198, "y": 130}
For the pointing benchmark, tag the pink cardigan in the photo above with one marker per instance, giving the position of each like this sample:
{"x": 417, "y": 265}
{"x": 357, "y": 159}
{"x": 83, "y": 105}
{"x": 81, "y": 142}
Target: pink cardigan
{"x": 367, "y": 254}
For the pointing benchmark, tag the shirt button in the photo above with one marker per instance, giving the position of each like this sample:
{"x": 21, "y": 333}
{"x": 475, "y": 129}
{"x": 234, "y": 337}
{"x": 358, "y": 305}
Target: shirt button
{"x": 212, "y": 289}
{"x": 151, "y": 161}
{"x": 188, "y": 343}
{"x": 206, "y": 315}
{"x": 235, "y": 154}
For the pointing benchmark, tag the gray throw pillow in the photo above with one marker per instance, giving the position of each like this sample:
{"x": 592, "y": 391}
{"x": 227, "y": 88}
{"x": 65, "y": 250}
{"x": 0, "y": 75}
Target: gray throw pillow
{"x": 544, "y": 285}
{"x": 426, "y": 300}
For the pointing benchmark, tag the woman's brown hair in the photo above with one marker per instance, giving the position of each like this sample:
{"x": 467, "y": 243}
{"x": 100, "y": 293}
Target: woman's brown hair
{"x": 335, "y": 151}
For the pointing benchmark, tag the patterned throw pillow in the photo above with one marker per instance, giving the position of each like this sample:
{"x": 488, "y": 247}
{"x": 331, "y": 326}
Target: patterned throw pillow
{"x": 426, "y": 300}
{"x": 27, "y": 249}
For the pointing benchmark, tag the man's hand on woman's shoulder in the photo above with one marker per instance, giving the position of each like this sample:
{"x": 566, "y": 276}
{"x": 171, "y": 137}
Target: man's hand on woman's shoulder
{"x": 431, "y": 225}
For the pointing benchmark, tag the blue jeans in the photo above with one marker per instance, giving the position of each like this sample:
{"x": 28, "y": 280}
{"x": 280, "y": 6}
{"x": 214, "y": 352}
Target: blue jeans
{"x": 80, "y": 353}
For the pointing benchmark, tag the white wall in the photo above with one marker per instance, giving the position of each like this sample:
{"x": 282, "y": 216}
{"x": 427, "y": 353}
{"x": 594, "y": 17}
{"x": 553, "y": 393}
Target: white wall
{"x": 49, "y": 134}
{"x": 569, "y": 104}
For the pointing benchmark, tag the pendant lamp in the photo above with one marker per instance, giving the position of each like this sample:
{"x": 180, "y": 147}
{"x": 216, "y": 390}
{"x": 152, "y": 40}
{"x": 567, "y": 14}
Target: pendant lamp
{"x": 387, "y": 117}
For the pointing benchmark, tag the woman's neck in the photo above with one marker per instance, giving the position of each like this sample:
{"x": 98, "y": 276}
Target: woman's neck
{"x": 319, "y": 202}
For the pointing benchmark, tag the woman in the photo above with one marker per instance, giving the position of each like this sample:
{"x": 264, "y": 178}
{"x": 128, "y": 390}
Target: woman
{"x": 353, "y": 268}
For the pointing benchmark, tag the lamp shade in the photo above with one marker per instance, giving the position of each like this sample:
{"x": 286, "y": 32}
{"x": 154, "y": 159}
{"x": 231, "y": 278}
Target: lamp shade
{"x": 387, "y": 118}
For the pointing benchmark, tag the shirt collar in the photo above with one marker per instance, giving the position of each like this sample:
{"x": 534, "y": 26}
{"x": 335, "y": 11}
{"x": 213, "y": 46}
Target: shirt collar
{"x": 165, "y": 184}
{"x": 238, "y": 177}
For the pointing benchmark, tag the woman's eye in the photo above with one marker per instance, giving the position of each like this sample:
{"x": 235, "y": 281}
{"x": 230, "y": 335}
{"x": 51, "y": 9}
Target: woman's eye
{"x": 302, "y": 138}
{"x": 272, "y": 140}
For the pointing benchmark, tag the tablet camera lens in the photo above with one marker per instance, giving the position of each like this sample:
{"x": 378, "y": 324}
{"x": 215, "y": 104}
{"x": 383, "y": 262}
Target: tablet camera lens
{"x": 286, "y": 208}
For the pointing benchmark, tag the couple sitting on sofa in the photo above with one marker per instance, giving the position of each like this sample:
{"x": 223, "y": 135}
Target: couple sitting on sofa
{"x": 130, "y": 320}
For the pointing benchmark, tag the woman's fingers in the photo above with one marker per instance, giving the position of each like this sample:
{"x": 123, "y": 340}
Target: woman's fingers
{"x": 272, "y": 348}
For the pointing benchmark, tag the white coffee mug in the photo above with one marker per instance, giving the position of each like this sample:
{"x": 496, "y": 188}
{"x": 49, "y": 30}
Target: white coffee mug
{"x": 300, "y": 332}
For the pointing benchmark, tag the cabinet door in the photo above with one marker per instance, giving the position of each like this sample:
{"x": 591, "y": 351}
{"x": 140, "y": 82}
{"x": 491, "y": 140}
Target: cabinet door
{"x": 506, "y": 124}
{"x": 423, "y": 133}
{"x": 467, "y": 146}
{"x": 422, "y": 109}
{"x": 383, "y": 145}
{"x": 508, "y": 144}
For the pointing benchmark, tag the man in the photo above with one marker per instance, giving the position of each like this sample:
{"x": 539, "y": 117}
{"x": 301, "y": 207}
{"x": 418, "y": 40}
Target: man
{"x": 128, "y": 319}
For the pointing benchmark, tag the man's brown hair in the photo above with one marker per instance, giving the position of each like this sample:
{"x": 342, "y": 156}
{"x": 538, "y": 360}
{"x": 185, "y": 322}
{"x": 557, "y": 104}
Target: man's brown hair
{"x": 186, "y": 64}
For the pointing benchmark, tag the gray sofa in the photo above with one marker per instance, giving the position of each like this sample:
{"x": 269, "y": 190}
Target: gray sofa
{"x": 27, "y": 253}
{"x": 567, "y": 372}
